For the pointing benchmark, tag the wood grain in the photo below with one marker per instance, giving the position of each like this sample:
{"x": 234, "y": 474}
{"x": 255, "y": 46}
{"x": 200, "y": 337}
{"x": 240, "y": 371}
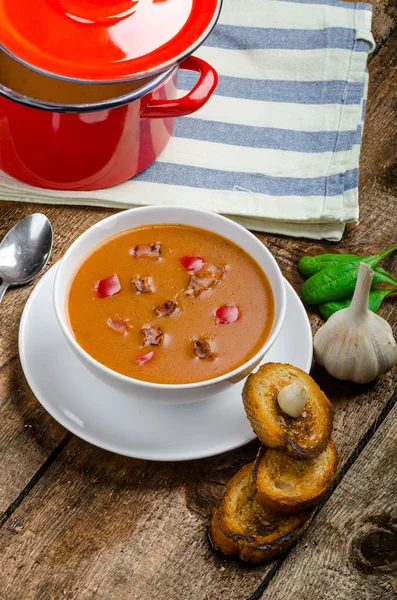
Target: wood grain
{"x": 102, "y": 526}
{"x": 384, "y": 20}
{"x": 350, "y": 550}
{"x": 106, "y": 523}
{"x": 28, "y": 434}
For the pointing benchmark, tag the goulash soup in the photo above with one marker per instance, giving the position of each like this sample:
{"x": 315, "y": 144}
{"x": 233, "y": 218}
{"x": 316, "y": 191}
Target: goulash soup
{"x": 170, "y": 304}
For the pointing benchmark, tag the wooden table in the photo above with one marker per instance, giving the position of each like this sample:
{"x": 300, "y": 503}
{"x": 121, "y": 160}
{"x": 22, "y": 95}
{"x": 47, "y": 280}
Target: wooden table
{"x": 81, "y": 523}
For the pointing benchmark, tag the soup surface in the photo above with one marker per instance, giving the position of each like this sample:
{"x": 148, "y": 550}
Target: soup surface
{"x": 170, "y": 304}
{"x": 28, "y": 82}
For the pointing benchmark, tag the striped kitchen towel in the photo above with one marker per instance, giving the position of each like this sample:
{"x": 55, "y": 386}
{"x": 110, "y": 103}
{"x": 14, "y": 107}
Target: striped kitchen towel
{"x": 277, "y": 147}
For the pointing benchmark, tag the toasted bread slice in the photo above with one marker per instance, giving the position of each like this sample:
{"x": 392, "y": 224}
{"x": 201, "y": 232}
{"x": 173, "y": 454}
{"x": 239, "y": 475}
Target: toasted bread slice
{"x": 305, "y": 436}
{"x": 287, "y": 485}
{"x": 242, "y": 526}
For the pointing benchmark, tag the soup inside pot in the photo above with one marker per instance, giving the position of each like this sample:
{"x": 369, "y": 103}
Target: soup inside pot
{"x": 170, "y": 304}
{"x": 19, "y": 78}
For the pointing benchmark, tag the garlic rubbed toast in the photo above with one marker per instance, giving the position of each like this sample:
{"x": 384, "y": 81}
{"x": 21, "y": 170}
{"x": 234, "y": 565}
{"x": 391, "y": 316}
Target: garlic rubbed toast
{"x": 243, "y": 527}
{"x": 287, "y": 485}
{"x": 305, "y": 436}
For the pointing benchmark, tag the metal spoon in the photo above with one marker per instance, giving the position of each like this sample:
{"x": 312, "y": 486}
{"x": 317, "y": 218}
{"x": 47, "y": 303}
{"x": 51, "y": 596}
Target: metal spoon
{"x": 24, "y": 251}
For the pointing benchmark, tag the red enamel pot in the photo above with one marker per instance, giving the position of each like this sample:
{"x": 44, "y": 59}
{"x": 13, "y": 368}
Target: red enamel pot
{"x": 98, "y": 144}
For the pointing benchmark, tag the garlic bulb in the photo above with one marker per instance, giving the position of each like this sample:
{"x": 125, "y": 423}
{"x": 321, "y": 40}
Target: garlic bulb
{"x": 355, "y": 343}
{"x": 292, "y": 399}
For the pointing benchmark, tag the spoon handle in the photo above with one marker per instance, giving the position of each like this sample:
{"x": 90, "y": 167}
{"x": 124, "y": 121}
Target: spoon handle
{"x": 3, "y": 287}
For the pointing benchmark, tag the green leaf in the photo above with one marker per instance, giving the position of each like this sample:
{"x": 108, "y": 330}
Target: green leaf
{"x": 310, "y": 265}
{"x": 375, "y": 300}
{"x": 338, "y": 281}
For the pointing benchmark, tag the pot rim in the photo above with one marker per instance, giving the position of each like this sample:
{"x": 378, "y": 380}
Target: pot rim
{"x": 91, "y": 107}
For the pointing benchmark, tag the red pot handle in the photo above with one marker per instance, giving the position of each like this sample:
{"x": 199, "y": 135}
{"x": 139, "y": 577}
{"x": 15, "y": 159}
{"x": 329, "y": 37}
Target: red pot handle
{"x": 202, "y": 91}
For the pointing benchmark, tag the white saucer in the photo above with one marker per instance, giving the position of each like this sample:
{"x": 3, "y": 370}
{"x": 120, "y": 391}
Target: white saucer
{"x": 128, "y": 425}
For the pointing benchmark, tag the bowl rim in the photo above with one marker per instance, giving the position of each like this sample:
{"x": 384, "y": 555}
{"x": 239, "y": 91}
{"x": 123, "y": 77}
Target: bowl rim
{"x": 61, "y": 311}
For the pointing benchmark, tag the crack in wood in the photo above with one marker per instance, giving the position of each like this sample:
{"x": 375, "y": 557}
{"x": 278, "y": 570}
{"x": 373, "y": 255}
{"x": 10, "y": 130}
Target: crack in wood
{"x": 222, "y": 483}
{"x": 35, "y": 479}
{"x": 269, "y": 576}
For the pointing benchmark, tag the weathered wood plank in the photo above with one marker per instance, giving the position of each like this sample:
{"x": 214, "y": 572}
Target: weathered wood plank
{"x": 101, "y": 526}
{"x": 97, "y": 524}
{"x": 350, "y": 550}
{"x": 28, "y": 434}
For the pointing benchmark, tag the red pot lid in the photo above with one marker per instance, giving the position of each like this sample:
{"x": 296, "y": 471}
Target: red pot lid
{"x": 104, "y": 40}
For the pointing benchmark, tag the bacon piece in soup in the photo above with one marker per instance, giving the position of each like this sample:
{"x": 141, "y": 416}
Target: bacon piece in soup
{"x": 167, "y": 308}
{"x": 108, "y": 287}
{"x": 152, "y": 336}
{"x": 202, "y": 348}
{"x": 118, "y": 324}
{"x": 151, "y": 250}
{"x": 142, "y": 285}
{"x": 205, "y": 279}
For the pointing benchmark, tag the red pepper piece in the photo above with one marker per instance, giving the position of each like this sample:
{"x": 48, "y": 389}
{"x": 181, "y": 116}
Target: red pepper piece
{"x": 192, "y": 263}
{"x": 229, "y": 313}
{"x": 144, "y": 358}
{"x": 108, "y": 287}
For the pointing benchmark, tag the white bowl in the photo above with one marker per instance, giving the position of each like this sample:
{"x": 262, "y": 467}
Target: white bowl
{"x": 158, "y": 392}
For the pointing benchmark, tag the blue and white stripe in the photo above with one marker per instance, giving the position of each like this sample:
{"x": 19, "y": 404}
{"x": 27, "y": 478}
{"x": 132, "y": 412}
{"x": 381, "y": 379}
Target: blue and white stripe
{"x": 280, "y": 139}
{"x": 277, "y": 147}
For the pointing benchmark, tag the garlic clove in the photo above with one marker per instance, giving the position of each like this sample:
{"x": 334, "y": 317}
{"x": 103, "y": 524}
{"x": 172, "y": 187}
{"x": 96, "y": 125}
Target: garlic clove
{"x": 356, "y": 344}
{"x": 292, "y": 399}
